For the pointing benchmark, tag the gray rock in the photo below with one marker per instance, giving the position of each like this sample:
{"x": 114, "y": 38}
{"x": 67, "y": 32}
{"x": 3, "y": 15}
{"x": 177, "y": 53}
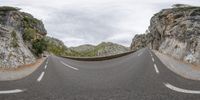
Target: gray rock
{"x": 174, "y": 31}
{"x": 13, "y": 50}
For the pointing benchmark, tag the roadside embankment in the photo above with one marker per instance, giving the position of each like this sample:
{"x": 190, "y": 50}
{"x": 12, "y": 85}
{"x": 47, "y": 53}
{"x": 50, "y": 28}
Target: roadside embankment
{"x": 179, "y": 67}
{"x": 7, "y": 74}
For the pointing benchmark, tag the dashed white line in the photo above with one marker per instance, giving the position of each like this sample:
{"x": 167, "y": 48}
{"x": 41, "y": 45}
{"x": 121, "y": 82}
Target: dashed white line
{"x": 45, "y": 67}
{"x": 156, "y": 69}
{"x": 11, "y": 91}
{"x": 40, "y": 77}
{"x": 69, "y": 65}
{"x": 153, "y": 59}
{"x": 180, "y": 89}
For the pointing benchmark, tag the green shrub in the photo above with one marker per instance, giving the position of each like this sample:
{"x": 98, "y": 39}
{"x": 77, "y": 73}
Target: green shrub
{"x": 29, "y": 34}
{"x": 39, "y": 46}
{"x": 30, "y": 22}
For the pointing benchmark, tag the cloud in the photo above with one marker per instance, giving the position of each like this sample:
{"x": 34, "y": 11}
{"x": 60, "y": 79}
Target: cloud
{"x": 77, "y": 22}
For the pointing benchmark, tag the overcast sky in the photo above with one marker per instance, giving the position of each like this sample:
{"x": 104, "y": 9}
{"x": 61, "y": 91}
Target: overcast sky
{"x": 77, "y": 22}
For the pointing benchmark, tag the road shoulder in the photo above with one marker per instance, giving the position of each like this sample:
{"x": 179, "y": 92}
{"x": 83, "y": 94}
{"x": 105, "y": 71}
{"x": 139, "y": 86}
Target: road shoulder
{"x": 21, "y": 72}
{"x": 181, "y": 68}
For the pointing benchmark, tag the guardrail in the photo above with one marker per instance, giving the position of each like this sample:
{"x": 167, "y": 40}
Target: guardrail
{"x": 98, "y": 58}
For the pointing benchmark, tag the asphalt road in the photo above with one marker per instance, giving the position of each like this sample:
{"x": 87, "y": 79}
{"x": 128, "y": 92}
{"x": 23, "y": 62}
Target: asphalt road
{"x": 137, "y": 76}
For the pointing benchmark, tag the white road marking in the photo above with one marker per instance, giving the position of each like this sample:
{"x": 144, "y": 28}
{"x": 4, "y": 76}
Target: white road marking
{"x": 140, "y": 53}
{"x": 11, "y": 91}
{"x": 153, "y": 59}
{"x": 156, "y": 69}
{"x": 181, "y": 90}
{"x": 69, "y": 65}
{"x": 40, "y": 77}
{"x": 45, "y": 67}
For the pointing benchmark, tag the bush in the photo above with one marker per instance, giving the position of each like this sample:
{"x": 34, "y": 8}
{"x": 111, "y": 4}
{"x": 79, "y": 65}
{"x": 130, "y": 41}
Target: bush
{"x": 29, "y": 22}
{"x": 29, "y": 34}
{"x": 39, "y": 46}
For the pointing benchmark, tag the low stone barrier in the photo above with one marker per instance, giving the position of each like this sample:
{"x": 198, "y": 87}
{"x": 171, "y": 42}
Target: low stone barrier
{"x": 98, "y": 58}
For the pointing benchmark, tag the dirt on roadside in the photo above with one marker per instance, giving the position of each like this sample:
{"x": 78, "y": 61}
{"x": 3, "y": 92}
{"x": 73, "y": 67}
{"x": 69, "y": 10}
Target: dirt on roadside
{"x": 22, "y": 71}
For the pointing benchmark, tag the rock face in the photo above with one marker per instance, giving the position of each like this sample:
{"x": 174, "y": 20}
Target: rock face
{"x": 13, "y": 50}
{"x": 108, "y": 48}
{"x": 103, "y": 49}
{"x": 173, "y": 31}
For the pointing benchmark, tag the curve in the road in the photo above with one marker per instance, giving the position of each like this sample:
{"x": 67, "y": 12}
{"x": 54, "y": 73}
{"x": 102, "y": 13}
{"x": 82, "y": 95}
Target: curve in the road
{"x": 177, "y": 89}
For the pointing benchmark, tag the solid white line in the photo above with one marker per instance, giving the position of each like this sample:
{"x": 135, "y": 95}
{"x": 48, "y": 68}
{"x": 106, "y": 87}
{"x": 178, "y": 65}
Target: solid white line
{"x": 40, "y": 77}
{"x": 156, "y": 69}
{"x": 11, "y": 91}
{"x": 69, "y": 65}
{"x": 153, "y": 59}
{"x": 181, "y": 90}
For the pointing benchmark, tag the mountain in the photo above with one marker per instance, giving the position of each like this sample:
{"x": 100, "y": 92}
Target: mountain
{"x": 102, "y": 49}
{"x": 21, "y": 37}
{"x": 175, "y": 32}
{"x": 83, "y": 48}
{"x": 57, "y": 47}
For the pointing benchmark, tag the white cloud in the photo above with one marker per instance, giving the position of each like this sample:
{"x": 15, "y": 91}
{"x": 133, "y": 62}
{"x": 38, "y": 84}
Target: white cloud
{"x": 76, "y": 22}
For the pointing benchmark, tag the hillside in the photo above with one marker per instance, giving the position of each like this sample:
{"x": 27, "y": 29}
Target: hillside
{"x": 175, "y": 32}
{"x": 57, "y": 47}
{"x": 83, "y": 48}
{"x": 102, "y": 49}
{"x": 21, "y": 37}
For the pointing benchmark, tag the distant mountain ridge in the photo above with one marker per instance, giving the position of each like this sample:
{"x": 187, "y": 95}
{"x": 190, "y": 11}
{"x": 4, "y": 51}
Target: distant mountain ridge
{"x": 82, "y": 48}
{"x": 102, "y": 49}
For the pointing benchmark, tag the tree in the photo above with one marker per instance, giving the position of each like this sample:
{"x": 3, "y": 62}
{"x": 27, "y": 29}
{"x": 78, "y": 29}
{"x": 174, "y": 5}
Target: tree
{"x": 39, "y": 45}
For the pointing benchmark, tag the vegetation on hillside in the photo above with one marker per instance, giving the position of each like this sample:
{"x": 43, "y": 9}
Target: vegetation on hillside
{"x": 39, "y": 46}
{"x": 103, "y": 49}
{"x": 57, "y": 47}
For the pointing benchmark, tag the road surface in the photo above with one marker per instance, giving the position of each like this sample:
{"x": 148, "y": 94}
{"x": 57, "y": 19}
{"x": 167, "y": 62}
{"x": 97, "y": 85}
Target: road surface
{"x": 137, "y": 76}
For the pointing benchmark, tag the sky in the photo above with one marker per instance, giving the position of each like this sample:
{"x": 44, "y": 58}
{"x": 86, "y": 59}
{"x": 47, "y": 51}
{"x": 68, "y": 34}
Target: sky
{"x": 78, "y": 22}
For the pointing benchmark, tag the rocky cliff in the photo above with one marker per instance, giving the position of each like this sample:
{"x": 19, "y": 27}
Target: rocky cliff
{"x": 18, "y": 32}
{"x": 173, "y": 31}
{"x": 102, "y": 49}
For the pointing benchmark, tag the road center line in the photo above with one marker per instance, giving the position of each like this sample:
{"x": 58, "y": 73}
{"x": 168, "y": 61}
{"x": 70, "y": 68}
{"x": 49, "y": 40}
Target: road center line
{"x": 40, "y": 77}
{"x": 45, "y": 67}
{"x": 69, "y": 65}
{"x": 153, "y": 59}
{"x": 180, "y": 89}
{"x": 156, "y": 69}
{"x": 11, "y": 91}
